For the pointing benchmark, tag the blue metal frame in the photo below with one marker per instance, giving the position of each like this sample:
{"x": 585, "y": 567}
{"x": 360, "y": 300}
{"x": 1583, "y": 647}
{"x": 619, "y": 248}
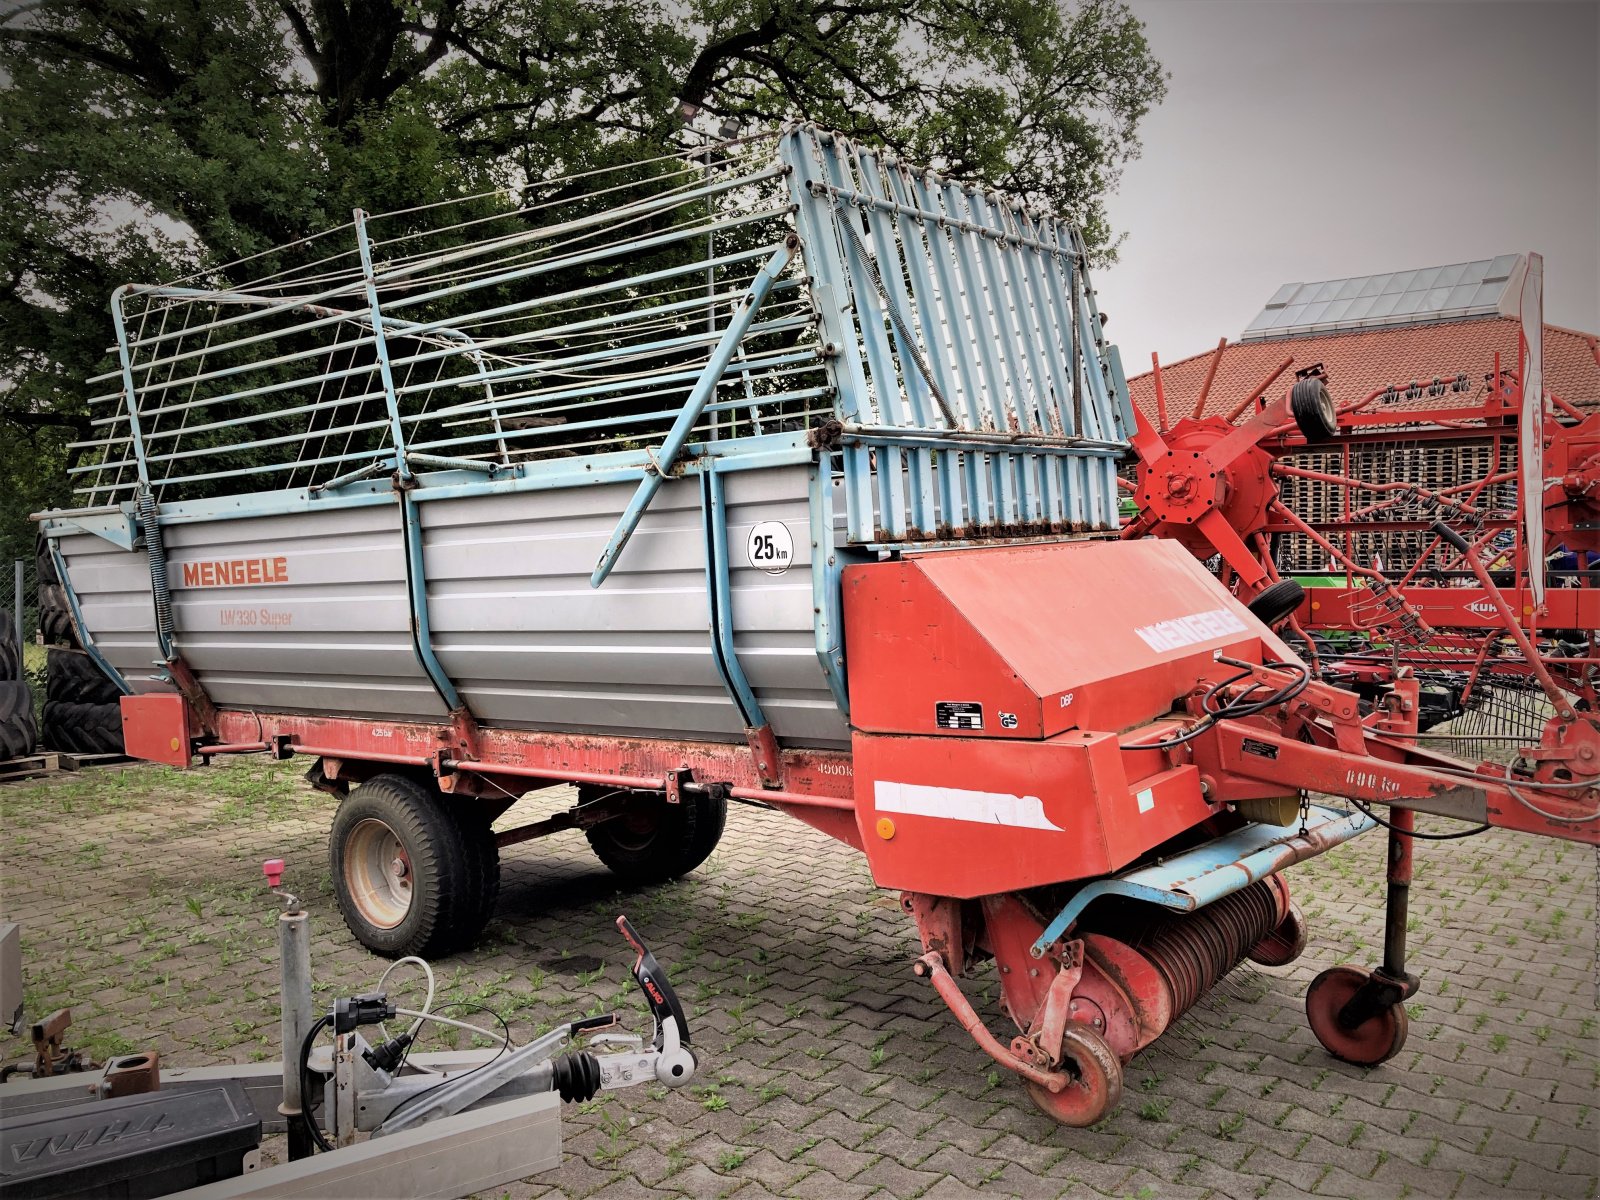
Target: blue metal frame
{"x": 929, "y": 290}
{"x": 705, "y": 387}
{"x": 130, "y": 391}
{"x": 1198, "y": 877}
{"x": 827, "y": 600}
{"x": 397, "y": 429}
{"x": 417, "y": 594}
{"x": 719, "y": 600}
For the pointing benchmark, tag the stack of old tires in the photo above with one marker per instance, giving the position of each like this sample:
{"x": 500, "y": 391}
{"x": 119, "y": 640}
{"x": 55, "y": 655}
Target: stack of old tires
{"x": 18, "y": 732}
{"x": 82, "y": 714}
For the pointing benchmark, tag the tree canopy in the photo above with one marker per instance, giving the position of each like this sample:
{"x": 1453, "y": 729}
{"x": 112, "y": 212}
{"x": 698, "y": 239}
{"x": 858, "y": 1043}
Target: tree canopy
{"x": 141, "y": 139}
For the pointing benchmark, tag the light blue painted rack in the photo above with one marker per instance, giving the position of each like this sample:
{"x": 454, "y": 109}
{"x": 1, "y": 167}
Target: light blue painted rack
{"x": 930, "y": 352}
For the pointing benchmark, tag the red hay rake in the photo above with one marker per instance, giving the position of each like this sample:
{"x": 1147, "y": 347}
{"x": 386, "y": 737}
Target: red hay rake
{"x": 1390, "y": 534}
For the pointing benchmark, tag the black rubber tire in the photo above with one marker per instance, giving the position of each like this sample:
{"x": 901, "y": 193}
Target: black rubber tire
{"x": 710, "y": 824}
{"x": 55, "y": 617}
{"x": 1276, "y": 601}
{"x": 10, "y": 664}
{"x": 19, "y": 732}
{"x": 73, "y": 676}
{"x": 82, "y": 728}
{"x": 654, "y": 841}
{"x": 440, "y": 888}
{"x": 44, "y": 562}
{"x": 1312, "y": 406}
{"x": 483, "y": 868}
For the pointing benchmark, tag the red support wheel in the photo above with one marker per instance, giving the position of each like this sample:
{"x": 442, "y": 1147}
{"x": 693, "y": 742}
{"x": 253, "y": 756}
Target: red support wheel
{"x": 1285, "y": 943}
{"x": 1095, "y": 1086}
{"x": 1377, "y": 1039}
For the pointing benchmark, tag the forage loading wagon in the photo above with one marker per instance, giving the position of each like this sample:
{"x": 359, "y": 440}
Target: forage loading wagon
{"x": 780, "y": 472}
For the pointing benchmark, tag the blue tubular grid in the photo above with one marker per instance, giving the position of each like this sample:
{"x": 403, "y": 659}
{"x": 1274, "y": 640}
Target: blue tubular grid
{"x": 969, "y": 353}
{"x": 931, "y": 351}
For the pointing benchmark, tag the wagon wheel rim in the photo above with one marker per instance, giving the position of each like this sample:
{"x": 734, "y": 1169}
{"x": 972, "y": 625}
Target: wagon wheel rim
{"x": 377, "y": 873}
{"x": 635, "y": 829}
{"x": 1376, "y": 1040}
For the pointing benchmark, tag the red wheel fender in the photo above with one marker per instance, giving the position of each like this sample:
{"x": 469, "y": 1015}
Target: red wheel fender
{"x": 1128, "y": 989}
{"x": 1280, "y": 894}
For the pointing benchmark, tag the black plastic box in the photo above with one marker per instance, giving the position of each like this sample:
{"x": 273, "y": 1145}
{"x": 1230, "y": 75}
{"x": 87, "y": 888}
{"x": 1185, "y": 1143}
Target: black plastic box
{"x": 131, "y": 1148}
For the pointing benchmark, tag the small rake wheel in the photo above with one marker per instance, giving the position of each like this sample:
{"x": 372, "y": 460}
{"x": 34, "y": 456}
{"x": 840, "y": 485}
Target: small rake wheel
{"x": 1094, "y": 1088}
{"x": 1377, "y": 1039}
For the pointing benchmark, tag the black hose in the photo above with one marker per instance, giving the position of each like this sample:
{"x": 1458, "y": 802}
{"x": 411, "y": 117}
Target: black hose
{"x": 304, "y": 1067}
{"x": 1236, "y": 708}
{"x": 1412, "y": 833}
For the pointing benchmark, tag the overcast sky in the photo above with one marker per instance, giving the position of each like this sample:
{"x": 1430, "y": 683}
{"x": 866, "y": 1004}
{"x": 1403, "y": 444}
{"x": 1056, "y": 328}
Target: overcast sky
{"x": 1307, "y": 140}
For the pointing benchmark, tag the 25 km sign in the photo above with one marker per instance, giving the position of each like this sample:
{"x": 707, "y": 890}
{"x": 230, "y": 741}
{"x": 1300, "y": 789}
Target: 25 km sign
{"x": 770, "y": 547}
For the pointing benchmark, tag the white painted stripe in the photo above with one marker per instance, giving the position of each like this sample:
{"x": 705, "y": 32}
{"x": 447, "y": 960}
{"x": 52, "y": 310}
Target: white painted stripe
{"x": 958, "y": 804}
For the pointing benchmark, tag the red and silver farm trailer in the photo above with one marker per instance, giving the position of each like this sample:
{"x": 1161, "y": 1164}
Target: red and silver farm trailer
{"x": 780, "y": 472}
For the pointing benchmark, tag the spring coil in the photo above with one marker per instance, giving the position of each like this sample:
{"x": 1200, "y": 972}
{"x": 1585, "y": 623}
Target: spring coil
{"x": 156, "y": 550}
{"x": 1193, "y": 952}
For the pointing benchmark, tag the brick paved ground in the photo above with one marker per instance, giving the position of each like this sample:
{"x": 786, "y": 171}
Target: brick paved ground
{"x": 827, "y": 1070}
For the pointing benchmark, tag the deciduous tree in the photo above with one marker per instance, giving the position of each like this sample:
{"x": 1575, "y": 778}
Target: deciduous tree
{"x": 141, "y": 139}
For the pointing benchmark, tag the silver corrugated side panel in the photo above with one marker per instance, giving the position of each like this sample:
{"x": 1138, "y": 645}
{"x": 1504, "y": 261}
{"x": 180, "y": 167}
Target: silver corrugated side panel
{"x": 774, "y": 622}
{"x": 529, "y": 643}
{"x": 113, "y": 589}
{"x": 308, "y": 612}
{"x": 326, "y": 631}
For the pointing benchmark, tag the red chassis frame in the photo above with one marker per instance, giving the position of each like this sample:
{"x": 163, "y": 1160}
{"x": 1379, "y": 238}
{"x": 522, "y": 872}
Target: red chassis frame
{"x": 1068, "y": 716}
{"x": 1357, "y": 759}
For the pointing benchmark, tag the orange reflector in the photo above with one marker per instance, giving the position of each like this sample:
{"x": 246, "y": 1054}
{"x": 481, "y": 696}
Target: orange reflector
{"x": 885, "y": 828}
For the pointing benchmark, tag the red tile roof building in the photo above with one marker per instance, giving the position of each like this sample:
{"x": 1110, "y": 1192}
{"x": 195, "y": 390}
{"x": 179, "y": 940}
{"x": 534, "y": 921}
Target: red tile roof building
{"x": 1403, "y": 330}
{"x": 1424, "y": 339}
{"x": 1361, "y": 362}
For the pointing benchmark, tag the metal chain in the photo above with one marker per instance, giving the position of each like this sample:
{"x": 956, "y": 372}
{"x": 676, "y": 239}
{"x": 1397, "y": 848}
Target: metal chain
{"x": 894, "y": 312}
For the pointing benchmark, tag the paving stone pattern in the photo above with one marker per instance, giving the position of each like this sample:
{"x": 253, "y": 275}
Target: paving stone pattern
{"x": 827, "y": 1070}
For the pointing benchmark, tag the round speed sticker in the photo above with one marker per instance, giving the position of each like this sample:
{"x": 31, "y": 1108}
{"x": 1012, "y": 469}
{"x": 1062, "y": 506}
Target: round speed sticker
{"x": 770, "y": 547}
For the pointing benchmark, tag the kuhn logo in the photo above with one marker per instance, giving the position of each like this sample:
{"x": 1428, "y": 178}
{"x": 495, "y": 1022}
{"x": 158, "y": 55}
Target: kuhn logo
{"x": 1190, "y": 630}
{"x": 1483, "y": 608}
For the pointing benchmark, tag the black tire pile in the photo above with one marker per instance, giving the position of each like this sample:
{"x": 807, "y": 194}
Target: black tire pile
{"x": 82, "y": 713}
{"x": 18, "y": 731}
